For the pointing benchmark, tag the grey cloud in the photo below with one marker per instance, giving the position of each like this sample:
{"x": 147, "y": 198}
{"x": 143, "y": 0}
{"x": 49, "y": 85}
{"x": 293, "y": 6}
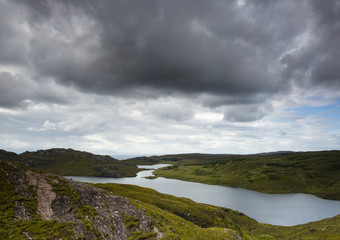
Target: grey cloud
{"x": 170, "y": 109}
{"x": 282, "y": 133}
{"x": 11, "y": 91}
{"x": 317, "y": 62}
{"x": 217, "y": 52}
{"x": 187, "y": 46}
{"x": 174, "y": 114}
{"x": 246, "y": 113}
{"x": 18, "y": 91}
{"x": 13, "y": 38}
{"x": 40, "y": 9}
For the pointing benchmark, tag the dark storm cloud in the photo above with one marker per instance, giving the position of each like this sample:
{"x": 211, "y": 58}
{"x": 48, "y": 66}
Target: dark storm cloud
{"x": 213, "y": 47}
{"x": 318, "y": 62}
{"x": 13, "y": 47}
{"x": 220, "y": 53}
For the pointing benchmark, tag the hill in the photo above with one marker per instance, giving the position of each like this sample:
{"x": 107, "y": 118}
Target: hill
{"x": 69, "y": 162}
{"x": 37, "y": 205}
{"x": 212, "y": 217}
{"x": 316, "y": 173}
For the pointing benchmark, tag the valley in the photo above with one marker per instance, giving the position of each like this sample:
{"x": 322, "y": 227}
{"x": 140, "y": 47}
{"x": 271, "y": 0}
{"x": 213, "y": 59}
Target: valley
{"x": 35, "y": 204}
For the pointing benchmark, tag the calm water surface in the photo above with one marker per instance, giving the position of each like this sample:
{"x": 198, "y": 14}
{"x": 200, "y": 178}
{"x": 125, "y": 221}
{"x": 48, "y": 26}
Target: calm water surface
{"x": 276, "y": 209}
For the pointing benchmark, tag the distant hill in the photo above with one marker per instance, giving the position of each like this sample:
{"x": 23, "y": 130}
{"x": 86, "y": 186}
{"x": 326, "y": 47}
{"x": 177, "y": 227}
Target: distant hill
{"x": 69, "y": 162}
{"x": 189, "y": 158}
{"x": 271, "y": 153}
{"x": 311, "y": 172}
{"x": 316, "y": 173}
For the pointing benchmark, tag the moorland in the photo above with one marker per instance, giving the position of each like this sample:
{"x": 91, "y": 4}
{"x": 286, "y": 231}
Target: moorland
{"x": 38, "y": 205}
{"x": 316, "y": 173}
{"x": 115, "y": 211}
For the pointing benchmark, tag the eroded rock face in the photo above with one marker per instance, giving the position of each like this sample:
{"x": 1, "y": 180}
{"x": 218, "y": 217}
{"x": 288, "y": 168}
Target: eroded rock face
{"x": 44, "y": 193}
{"x": 94, "y": 213}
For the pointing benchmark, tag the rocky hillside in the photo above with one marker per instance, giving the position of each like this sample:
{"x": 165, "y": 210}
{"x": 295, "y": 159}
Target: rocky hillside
{"x": 36, "y": 205}
{"x": 69, "y": 162}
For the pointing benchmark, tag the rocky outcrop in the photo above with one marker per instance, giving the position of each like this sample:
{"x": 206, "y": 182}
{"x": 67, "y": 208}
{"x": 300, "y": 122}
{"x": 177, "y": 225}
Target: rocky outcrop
{"x": 44, "y": 193}
{"x": 91, "y": 212}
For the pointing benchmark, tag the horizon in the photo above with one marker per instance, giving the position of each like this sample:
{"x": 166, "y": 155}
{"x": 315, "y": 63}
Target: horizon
{"x": 129, "y": 156}
{"x": 122, "y": 77}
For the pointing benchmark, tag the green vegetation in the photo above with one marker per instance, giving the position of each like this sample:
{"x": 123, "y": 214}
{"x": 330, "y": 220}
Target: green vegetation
{"x": 130, "y": 221}
{"x": 315, "y": 173}
{"x": 151, "y": 177}
{"x": 203, "y": 215}
{"x": 182, "y": 218}
{"x": 174, "y": 227}
{"x": 13, "y": 226}
{"x": 69, "y": 162}
{"x": 83, "y": 212}
{"x": 142, "y": 236}
{"x": 35, "y": 227}
{"x": 172, "y": 217}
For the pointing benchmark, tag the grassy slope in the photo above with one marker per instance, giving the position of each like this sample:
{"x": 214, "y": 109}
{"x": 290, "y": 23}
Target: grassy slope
{"x": 163, "y": 207}
{"x": 174, "y": 226}
{"x": 316, "y": 173}
{"x": 73, "y": 163}
{"x": 179, "y": 218}
{"x": 85, "y": 164}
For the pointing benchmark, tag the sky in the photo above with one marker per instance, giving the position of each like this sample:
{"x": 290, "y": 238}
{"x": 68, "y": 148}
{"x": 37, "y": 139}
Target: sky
{"x": 161, "y": 77}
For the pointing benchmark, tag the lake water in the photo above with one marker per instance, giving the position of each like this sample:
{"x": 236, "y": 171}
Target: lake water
{"x": 276, "y": 209}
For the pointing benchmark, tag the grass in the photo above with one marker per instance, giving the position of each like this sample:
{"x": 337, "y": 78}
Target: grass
{"x": 35, "y": 227}
{"x": 183, "y": 218}
{"x": 176, "y": 227}
{"x": 69, "y": 162}
{"x": 174, "y": 217}
{"x": 315, "y": 173}
{"x": 200, "y": 214}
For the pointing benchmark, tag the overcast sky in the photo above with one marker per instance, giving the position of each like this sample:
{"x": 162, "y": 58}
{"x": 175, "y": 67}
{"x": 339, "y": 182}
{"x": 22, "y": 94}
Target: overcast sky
{"x": 158, "y": 76}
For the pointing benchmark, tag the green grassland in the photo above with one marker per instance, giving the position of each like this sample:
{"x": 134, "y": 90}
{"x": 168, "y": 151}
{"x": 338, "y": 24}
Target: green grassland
{"x": 173, "y": 217}
{"x": 182, "y": 218}
{"x": 316, "y": 173}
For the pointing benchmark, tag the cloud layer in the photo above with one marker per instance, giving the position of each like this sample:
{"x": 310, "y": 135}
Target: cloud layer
{"x": 158, "y": 61}
{"x": 239, "y": 51}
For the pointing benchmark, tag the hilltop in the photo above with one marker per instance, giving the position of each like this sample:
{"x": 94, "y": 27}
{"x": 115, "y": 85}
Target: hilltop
{"x": 69, "y": 162}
